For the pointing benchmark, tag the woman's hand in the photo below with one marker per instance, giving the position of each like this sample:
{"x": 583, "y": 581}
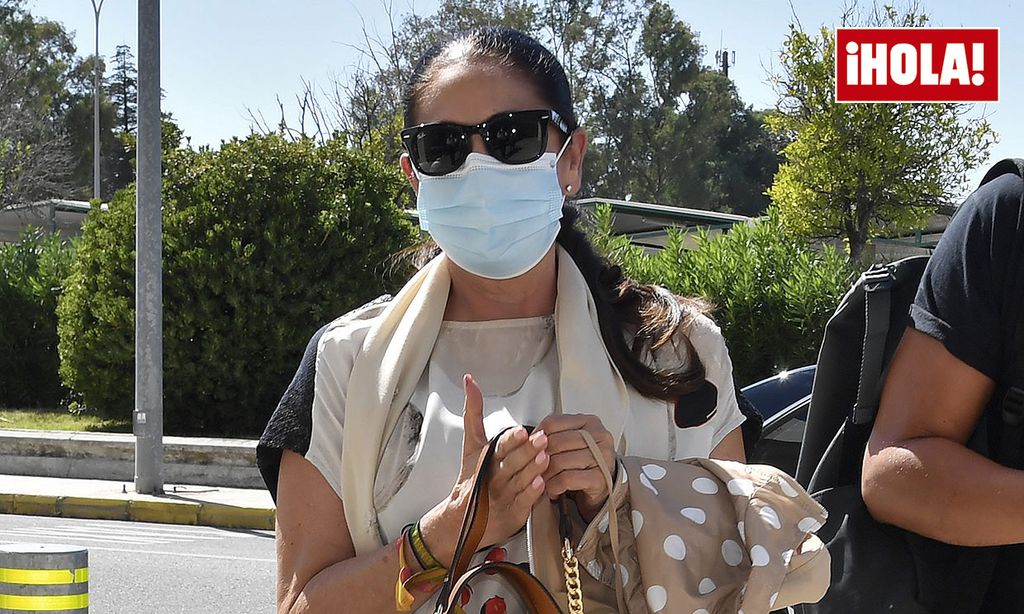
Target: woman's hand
{"x": 515, "y": 482}
{"x": 572, "y": 467}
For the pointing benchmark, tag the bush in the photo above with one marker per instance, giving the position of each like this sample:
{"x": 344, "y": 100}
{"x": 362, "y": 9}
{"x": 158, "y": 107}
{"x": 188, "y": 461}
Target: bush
{"x": 32, "y": 272}
{"x": 264, "y": 241}
{"x": 772, "y": 293}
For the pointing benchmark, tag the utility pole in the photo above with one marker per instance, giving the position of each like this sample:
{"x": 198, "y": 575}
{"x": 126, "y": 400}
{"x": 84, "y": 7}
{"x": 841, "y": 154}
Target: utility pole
{"x": 722, "y": 57}
{"x": 96, "y": 8}
{"x": 149, "y": 402}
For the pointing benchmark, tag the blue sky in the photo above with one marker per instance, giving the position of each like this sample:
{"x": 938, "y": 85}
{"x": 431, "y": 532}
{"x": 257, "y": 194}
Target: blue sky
{"x": 222, "y": 58}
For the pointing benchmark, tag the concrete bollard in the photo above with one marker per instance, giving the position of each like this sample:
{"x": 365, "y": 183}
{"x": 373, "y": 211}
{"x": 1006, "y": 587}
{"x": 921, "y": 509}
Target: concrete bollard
{"x": 49, "y": 578}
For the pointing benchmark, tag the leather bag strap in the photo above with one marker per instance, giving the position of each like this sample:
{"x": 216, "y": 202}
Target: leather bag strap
{"x": 613, "y": 520}
{"x": 529, "y": 588}
{"x": 474, "y": 524}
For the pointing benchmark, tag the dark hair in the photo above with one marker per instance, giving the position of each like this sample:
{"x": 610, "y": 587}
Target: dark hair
{"x": 502, "y": 48}
{"x": 648, "y": 314}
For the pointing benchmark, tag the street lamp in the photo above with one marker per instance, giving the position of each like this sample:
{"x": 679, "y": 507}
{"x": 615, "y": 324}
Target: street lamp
{"x": 96, "y": 8}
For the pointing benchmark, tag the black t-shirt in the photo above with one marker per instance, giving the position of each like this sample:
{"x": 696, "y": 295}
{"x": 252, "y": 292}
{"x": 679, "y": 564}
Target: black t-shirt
{"x": 962, "y": 301}
{"x": 961, "y": 298}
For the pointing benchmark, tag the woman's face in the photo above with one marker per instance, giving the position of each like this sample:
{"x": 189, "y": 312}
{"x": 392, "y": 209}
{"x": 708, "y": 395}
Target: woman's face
{"x": 469, "y": 93}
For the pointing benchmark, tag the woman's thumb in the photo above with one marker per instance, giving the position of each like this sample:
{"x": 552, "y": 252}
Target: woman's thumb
{"x": 473, "y": 438}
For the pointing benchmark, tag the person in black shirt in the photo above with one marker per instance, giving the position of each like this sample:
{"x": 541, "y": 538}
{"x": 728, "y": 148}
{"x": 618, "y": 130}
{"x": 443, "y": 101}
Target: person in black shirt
{"x": 919, "y": 471}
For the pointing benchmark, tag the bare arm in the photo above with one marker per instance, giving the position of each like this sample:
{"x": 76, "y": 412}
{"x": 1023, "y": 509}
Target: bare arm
{"x": 317, "y": 566}
{"x": 731, "y": 448}
{"x": 918, "y": 472}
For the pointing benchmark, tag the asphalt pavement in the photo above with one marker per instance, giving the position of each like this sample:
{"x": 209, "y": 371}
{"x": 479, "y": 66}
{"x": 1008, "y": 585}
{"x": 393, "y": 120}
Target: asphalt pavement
{"x": 148, "y": 568}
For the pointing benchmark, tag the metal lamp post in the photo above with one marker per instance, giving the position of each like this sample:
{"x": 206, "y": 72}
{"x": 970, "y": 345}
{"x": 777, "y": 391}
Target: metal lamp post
{"x": 96, "y": 8}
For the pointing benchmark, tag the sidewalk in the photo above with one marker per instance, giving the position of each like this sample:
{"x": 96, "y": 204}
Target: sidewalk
{"x": 113, "y": 500}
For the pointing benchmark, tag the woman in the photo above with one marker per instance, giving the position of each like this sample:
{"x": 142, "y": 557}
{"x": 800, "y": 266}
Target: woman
{"x": 371, "y": 478}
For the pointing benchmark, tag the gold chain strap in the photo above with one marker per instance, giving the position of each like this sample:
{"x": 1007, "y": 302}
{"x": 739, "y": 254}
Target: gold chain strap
{"x": 572, "y": 578}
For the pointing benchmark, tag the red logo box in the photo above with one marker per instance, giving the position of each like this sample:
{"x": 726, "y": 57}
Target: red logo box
{"x": 917, "y": 64}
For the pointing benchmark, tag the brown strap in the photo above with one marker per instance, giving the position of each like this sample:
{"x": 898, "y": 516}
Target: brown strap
{"x": 537, "y": 598}
{"x": 613, "y": 519}
{"x": 473, "y": 525}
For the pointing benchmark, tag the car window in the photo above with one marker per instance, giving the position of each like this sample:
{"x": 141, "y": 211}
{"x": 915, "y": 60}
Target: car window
{"x": 780, "y": 444}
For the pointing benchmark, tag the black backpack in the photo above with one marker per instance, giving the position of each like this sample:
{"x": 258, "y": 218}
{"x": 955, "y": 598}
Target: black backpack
{"x": 878, "y": 567}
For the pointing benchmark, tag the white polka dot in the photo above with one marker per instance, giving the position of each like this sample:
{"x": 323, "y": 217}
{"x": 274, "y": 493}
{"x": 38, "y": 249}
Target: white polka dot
{"x": 595, "y": 569}
{"x": 695, "y": 514}
{"x": 705, "y": 486}
{"x": 788, "y": 489}
{"x": 701, "y": 611}
{"x": 741, "y": 487}
{"x": 655, "y": 472}
{"x": 809, "y": 525}
{"x": 656, "y": 598}
{"x": 675, "y": 548}
{"x": 622, "y": 472}
{"x": 759, "y": 556}
{"x": 638, "y": 522}
{"x": 742, "y": 529}
{"x": 770, "y": 516}
{"x": 646, "y": 482}
{"x": 602, "y": 525}
{"x": 707, "y": 586}
{"x": 624, "y": 574}
{"x": 732, "y": 552}
{"x": 771, "y": 602}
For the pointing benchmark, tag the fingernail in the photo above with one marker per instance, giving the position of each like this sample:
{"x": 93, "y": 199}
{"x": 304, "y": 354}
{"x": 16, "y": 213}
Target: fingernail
{"x": 541, "y": 458}
{"x": 538, "y": 483}
{"x": 539, "y": 439}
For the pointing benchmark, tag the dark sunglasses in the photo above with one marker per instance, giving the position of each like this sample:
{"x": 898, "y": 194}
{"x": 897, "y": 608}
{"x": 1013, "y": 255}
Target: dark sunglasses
{"x": 516, "y": 137}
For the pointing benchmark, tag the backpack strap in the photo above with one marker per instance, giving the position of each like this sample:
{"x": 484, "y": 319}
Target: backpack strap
{"x": 1011, "y": 447}
{"x": 1011, "y": 407}
{"x": 877, "y": 282}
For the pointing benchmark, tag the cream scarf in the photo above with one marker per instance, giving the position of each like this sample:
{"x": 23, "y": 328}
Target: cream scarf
{"x": 398, "y": 347}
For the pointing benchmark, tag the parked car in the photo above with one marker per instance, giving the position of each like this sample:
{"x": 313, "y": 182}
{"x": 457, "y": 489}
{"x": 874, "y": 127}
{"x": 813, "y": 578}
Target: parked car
{"x": 783, "y": 401}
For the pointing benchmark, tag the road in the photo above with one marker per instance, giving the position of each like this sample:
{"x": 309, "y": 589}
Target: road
{"x": 145, "y": 568}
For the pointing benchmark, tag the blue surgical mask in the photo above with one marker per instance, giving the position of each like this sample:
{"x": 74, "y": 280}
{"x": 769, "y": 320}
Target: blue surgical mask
{"x": 493, "y": 219}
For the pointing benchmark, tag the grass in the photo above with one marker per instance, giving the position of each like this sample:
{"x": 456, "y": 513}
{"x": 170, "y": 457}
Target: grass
{"x": 60, "y": 420}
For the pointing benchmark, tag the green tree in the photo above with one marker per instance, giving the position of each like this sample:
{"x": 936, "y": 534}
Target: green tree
{"x": 663, "y": 126}
{"x": 46, "y": 114}
{"x": 264, "y": 241}
{"x": 363, "y": 106}
{"x": 115, "y": 159}
{"x": 122, "y": 87}
{"x": 36, "y": 59}
{"x": 853, "y": 171}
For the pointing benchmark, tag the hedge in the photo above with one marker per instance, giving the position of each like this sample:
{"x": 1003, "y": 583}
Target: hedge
{"x": 32, "y": 272}
{"x": 771, "y": 293}
{"x": 264, "y": 241}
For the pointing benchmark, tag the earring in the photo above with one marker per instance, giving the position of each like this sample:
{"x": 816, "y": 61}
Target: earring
{"x": 568, "y": 188}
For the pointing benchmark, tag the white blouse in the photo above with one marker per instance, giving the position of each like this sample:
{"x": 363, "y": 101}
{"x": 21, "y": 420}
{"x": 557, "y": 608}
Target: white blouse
{"x": 516, "y": 364}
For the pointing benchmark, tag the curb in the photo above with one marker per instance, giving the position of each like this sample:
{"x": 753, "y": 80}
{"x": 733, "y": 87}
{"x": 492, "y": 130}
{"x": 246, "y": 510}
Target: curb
{"x": 187, "y": 513}
{"x": 202, "y": 461}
